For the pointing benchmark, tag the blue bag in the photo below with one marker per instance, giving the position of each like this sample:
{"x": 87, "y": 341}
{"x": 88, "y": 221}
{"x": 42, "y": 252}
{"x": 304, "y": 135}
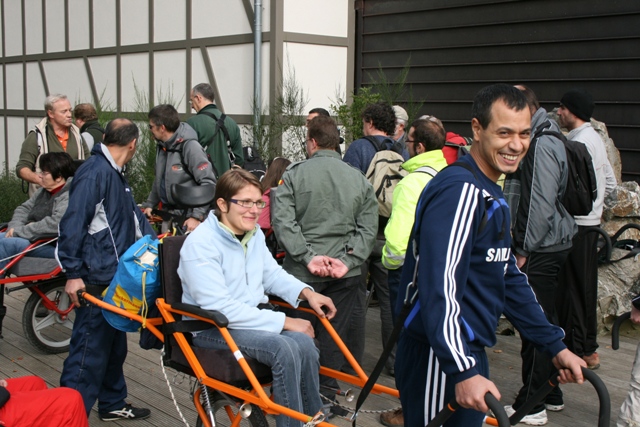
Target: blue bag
{"x": 135, "y": 285}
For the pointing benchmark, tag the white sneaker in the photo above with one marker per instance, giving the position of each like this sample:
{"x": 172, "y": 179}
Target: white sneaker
{"x": 538, "y": 419}
{"x": 554, "y": 408}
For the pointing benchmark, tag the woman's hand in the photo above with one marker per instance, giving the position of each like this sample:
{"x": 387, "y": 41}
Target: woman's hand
{"x": 9, "y": 233}
{"x": 298, "y": 325}
{"x": 317, "y": 302}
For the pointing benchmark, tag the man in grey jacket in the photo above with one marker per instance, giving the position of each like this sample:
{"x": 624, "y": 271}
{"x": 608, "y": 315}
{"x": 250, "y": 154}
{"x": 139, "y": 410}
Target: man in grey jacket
{"x": 325, "y": 215}
{"x": 179, "y": 160}
{"x": 541, "y": 230}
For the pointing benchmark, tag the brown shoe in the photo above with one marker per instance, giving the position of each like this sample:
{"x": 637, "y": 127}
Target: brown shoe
{"x": 392, "y": 418}
{"x": 593, "y": 361}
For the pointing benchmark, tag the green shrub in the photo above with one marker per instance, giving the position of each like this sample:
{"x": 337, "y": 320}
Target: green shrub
{"x": 12, "y": 195}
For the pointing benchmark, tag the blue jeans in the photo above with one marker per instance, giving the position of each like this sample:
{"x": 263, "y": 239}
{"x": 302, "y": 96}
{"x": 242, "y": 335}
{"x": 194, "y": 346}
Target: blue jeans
{"x": 14, "y": 245}
{"x": 294, "y": 362}
{"x": 94, "y": 365}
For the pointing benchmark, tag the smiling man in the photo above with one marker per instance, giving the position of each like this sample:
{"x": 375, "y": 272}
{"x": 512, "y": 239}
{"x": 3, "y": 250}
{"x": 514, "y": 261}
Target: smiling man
{"x": 467, "y": 276}
{"x": 54, "y": 133}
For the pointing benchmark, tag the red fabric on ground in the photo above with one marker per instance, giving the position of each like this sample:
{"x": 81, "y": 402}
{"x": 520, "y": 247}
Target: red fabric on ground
{"x": 32, "y": 404}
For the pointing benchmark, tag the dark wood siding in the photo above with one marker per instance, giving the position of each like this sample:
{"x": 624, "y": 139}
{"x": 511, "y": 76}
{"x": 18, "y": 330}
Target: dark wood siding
{"x": 456, "y": 47}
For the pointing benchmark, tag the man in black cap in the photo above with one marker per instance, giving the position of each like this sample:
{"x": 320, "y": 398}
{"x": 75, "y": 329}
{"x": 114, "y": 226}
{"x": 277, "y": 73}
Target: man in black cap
{"x": 578, "y": 281}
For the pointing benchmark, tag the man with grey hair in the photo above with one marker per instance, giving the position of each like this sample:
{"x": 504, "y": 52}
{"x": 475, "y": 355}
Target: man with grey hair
{"x": 217, "y": 133}
{"x": 402, "y": 120}
{"x": 55, "y": 133}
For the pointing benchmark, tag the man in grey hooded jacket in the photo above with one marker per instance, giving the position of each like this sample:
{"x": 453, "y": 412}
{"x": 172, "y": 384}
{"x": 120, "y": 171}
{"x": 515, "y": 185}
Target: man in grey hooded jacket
{"x": 542, "y": 231}
{"x": 180, "y": 159}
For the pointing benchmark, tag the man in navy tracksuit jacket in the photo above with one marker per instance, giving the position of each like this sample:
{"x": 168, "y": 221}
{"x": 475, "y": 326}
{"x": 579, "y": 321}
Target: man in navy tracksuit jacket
{"x": 467, "y": 275}
{"x": 101, "y": 223}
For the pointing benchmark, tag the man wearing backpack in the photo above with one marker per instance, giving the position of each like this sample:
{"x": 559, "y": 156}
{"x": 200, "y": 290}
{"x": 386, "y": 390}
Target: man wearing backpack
{"x": 179, "y": 160}
{"x": 541, "y": 233}
{"x": 100, "y": 224}
{"x": 378, "y": 127}
{"x": 56, "y": 132}
{"x": 578, "y": 293}
{"x": 218, "y": 133}
{"x": 424, "y": 143}
{"x": 87, "y": 120}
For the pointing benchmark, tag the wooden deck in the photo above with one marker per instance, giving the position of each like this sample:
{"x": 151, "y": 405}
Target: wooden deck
{"x": 148, "y": 387}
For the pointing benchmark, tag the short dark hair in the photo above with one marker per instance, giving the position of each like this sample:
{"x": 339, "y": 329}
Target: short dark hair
{"x": 231, "y": 182}
{"x": 381, "y": 116}
{"x": 274, "y": 173}
{"x": 120, "y": 132}
{"x": 165, "y": 115}
{"x": 530, "y": 95}
{"x": 325, "y": 132}
{"x": 58, "y": 164}
{"x": 205, "y": 90}
{"x": 319, "y": 111}
{"x": 428, "y": 133}
{"x": 484, "y": 100}
{"x": 85, "y": 112}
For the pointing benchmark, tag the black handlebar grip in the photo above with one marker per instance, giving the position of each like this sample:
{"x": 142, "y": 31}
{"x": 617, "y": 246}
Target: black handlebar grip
{"x": 615, "y": 330}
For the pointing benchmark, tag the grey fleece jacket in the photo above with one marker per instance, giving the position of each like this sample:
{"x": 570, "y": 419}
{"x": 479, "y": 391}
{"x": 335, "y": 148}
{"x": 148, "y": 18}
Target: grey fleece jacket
{"x": 41, "y": 214}
{"x": 169, "y": 169}
{"x": 539, "y": 222}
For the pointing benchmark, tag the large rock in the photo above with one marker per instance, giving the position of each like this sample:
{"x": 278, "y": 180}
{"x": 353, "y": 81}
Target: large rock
{"x": 617, "y": 284}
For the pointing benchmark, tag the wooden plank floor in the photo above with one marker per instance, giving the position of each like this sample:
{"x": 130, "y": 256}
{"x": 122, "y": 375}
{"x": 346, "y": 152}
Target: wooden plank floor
{"x": 148, "y": 387}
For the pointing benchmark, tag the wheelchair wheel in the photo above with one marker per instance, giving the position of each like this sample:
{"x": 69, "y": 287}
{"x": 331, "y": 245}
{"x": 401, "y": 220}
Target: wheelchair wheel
{"x": 48, "y": 330}
{"x": 225, "y": 410}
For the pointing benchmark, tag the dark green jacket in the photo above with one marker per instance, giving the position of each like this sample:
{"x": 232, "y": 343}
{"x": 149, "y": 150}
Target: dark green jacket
{"x": 205, "y": 127}
{"x": 324, "y": 207}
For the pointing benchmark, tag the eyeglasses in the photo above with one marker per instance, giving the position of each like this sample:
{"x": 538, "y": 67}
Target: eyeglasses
{"x": 249, "y": 203}
{"x": 412, "y": 141}
{"x": 43, "y": 173}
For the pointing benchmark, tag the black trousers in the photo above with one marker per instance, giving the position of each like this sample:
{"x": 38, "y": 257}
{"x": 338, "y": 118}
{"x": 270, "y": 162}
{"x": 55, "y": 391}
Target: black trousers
{"x": 578, "y": 294}
{"x": 542, "y": 270}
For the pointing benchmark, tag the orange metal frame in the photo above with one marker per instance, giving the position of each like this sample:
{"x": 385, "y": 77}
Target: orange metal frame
{"x": 256, "y": 395}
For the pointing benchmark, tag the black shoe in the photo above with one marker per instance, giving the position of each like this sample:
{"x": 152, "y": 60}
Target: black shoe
{"x": 128, "y": 412}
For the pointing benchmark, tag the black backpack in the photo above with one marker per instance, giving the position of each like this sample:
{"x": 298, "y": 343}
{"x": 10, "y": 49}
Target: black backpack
{"x": 220, "y": 126}
{"x": 582, "y": 187}
{"x": 253, "y": 162}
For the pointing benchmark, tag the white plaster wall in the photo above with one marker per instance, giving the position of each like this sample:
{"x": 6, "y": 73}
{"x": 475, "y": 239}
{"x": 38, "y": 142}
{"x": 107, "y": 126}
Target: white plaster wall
{"x": 134, "y": 70}
{"x": 170, "y": 78}
{"x": 326, "y": 17}
{"x": 104, "y": 23}
{"x": 169, "y": 20}
{"x": 15, "y": 137}
{"x": 58, "y": 72}
{"x": 104, "y": 70}
{"x": 35, "y": 87}
{"x": 1, "y": 95}
{"x": 13, "y": 29}
{"x": 15, "y": 84}
{"x": 33, "y": 9}
{"x": 55, "y": 25}
{"x": 321, "y": 80}
{"x": 2, "y": 156}
{"x": 233, "y": 70}
{"x": 135, "y": 22}
{"x": 212, "y": 18}
{"x": 79, "y": 22}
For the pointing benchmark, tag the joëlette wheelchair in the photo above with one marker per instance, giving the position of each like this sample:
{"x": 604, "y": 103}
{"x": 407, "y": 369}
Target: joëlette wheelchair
{"x": 47, "y": 317}
{"x": 230, "y": 385}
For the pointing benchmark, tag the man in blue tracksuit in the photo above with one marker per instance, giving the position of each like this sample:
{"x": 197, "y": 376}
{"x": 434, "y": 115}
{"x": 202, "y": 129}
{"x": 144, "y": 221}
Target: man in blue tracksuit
{"x": 101, "y": 223}
{"x": 467, "y": 275}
